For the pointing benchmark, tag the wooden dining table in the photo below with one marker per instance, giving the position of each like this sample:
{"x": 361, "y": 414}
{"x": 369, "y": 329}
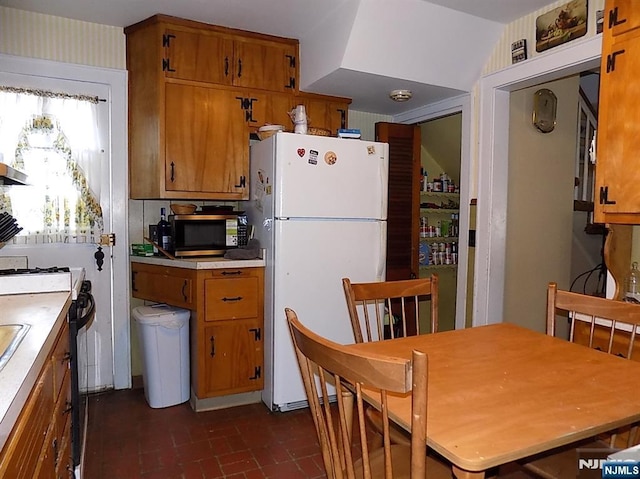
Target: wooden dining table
{"x": 500, "y": 393}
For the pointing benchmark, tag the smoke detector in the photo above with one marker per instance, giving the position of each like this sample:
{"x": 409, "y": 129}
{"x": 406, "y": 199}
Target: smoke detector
{"x": 400, "y": 95}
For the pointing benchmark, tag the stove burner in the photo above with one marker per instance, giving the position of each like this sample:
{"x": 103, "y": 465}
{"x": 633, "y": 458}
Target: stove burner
{"x": 52, "y": 269}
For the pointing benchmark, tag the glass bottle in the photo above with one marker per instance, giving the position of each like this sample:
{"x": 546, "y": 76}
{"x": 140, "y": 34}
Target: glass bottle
{"x": 164, "y": 231}
{"x": 632, "y": 286}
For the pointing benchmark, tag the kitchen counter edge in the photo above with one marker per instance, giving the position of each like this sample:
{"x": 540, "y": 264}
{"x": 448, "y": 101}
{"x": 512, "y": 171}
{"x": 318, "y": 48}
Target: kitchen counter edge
{"x": 45, "y": 313}
{"x": 200, "y": 263}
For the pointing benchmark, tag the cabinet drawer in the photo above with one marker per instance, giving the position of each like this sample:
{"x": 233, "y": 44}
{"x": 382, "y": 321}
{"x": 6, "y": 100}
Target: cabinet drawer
{"x": 60, "y": 360}
{"x": 163, "y": 285}
{"x": 231, "y": 298}
{"x": 24, "y": 446}
{"x": 64, "y": 462}
{"x": 62, "y": 411}
{"x": 47, "y": 460}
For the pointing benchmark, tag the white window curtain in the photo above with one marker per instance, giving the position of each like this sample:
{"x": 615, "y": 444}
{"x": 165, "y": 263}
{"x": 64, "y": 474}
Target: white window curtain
{"x": 54, "y": 139}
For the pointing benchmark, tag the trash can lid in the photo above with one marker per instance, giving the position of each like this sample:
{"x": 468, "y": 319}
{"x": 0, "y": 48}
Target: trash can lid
{"x": 160, "y": 313}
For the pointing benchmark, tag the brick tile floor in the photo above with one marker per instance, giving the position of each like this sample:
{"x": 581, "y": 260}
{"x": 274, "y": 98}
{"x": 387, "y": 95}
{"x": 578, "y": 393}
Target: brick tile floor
{"x": 127, "y": 439}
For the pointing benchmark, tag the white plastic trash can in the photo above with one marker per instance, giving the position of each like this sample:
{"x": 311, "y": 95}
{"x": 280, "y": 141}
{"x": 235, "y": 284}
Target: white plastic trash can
{"x": 163, "y": 332}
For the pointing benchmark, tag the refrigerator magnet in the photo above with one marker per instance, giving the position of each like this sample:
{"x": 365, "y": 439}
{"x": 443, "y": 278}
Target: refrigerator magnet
{"x": 301, "y": 152}
{"x": 371, "y": 150}
{"x": 313, "y": 157}
{"x": 330, "y": 158}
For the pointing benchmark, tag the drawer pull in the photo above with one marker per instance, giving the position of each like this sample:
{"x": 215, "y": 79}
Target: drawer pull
{"x": 184, "y": 290}
{"x": 68, "y": 408}
{"x": 232, "y": 273}
{"x": 237, "y": 298}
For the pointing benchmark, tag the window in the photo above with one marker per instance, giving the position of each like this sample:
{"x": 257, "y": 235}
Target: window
{"x": 53, "y": 138}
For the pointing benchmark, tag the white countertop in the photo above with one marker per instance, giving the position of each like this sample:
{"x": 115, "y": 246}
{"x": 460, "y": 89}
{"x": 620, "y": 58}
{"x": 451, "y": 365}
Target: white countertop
{"x": 200, "y": 263}
{"x": 45, "y": 313}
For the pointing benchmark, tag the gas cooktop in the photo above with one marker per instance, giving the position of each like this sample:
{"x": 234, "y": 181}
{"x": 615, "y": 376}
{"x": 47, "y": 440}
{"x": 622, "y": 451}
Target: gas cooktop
{"x": 41, "y": 280}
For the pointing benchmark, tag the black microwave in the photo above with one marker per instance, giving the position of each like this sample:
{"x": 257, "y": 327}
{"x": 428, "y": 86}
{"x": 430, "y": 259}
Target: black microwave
{"x": 207, "y": 234}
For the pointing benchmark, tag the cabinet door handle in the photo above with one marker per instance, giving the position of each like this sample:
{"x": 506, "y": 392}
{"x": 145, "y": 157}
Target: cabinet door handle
{"x": 237, "y": 298}
{"x": 226, "y": 66}
{"x": 242, "y": 183}
{"x": 239, "y": 68}
{"x": 213, "y": 346}
{"x": 613, "y": 18}
{"x": 173, "y": 176}
{"x": 292, "y": 83}
{"x": 184, "y": 290}
{"x": 133, "y": 280}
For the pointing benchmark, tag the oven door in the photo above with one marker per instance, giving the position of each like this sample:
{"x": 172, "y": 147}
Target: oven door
{"x": 81, "y": 314}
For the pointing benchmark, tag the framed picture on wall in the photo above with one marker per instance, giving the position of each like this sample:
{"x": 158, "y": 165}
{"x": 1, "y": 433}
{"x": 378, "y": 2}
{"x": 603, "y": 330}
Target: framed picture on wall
{"x": 519, "y": 51}
{"x": 560, "y": 25}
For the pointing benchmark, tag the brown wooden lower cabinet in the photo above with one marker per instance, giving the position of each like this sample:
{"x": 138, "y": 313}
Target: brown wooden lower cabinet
{"x": 39, "y": 444}
{"x": 227, "y": 322}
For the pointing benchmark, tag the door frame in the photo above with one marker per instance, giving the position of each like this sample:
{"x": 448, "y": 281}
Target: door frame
{"x": 460, "y": 104}
{"x": 116, "y": 81}
{"x": 493, "y": 161}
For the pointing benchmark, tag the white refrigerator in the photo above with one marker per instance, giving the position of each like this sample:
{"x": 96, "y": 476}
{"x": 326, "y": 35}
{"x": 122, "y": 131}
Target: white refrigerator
{"x": 318, "y": 206}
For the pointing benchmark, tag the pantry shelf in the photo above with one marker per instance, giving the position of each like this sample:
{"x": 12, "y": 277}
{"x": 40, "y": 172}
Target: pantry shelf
{"x": 438, "y": 267}
{"x": 439, "y": 210}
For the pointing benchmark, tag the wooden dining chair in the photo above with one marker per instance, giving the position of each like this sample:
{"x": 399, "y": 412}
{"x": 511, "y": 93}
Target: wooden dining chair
{"x": 369, "y": 305}
{"x": 389, "y": 309}
{"x": 324, "y": 363}
{"x": 604, "y": 324}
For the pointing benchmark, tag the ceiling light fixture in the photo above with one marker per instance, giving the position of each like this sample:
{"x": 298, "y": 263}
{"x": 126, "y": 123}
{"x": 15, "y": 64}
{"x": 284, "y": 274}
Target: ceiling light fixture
{"x": 400, "y": 95}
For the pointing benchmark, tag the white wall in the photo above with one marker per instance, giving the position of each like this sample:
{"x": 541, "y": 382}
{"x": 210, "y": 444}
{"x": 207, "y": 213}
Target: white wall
{"x": 540, "y": 204}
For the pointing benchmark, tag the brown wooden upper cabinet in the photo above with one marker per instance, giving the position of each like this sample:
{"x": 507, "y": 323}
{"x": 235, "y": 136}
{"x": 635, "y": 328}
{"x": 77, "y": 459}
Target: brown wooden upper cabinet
{"x": 196, "y": 94}
{"x": 617, "y": 165}
{"x": 207, "y": 54}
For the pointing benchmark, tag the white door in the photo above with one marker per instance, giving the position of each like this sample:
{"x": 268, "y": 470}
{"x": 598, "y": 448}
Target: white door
{"x": 99, "y": 338}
